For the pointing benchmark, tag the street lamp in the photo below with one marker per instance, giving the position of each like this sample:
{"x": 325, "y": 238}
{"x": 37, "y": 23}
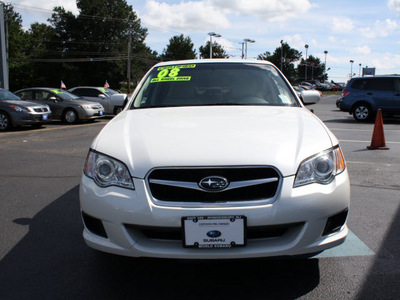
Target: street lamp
{"x": 281, "y": 54}
{"x": 306, "y": 46}
{"x": 359, "y": 71}
{"x": 325, "y": 52}
{"x": 245, "y": 43}
{"x": 211, "y": 34}
{"x": 351, "y": 69}
{"x": 242, "y": 43}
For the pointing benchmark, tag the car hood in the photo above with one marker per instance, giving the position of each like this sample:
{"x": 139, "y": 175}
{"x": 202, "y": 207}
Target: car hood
{"x": 214, "y": 136}
{"x": 82, "y": 101}
{"x": 21, "y": 103}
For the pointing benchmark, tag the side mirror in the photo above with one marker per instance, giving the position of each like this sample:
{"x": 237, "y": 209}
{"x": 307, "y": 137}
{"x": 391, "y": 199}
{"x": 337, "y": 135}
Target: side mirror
{"x": 53, "y": 99}
{"x": 101, "y": 96}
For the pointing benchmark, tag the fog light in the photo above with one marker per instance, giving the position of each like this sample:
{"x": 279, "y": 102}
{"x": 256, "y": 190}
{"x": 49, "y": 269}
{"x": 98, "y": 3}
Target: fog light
{"x": 335, "y": 222}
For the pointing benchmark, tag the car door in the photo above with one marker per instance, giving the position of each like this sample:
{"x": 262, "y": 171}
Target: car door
{"x": 93, "y": 94}
{"x": 56, "y": 104}
{"x": 383, "y": 93}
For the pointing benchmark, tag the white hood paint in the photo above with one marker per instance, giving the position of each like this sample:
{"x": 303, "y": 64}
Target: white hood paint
{"x": 214, "y": 136}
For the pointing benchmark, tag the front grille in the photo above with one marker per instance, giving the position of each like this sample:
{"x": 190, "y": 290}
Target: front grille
{"x": 43, "y": 109}
{"x": 96, "y": 107}
{"x": 181, "y": 184}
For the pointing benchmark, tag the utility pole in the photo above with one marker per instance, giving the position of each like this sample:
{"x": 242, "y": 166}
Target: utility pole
{"x": 4, "y": 83}
{"x": 129, "y": 57}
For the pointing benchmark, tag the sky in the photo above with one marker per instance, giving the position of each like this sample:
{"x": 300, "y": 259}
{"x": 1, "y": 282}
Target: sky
{"x": 364, "y": 31}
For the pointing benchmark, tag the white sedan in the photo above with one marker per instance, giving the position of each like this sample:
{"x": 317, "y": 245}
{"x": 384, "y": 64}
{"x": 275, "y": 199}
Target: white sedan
{"x": 214, "y": 159}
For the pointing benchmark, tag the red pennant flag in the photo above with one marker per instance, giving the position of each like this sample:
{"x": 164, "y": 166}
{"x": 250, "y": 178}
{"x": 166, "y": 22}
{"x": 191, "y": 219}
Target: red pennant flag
{"x": 106, "y": 85}
{"x": 63, "y": 85}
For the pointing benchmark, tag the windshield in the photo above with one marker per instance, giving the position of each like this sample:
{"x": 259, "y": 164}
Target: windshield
{"x": 6, "y": 95}
{"x": 65, "y": 95}
{"x": 108, "y": 92}
{"x": 214, "y": 84}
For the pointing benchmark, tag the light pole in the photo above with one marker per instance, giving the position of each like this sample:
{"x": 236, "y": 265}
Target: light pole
{"x": 245, "y": 43}
{"x": 325, "y": 52}
{"x": 351, "y": 68}
{"x": 242, "y": 43}
{"x": 359, "y": 71}
{"x": 281, "y": 54}
{"x": 211, "y": 34}
{"x": 306, "y": 46}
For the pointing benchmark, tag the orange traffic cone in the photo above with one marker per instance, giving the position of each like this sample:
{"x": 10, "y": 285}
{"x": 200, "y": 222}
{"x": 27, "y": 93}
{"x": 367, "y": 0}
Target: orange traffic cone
{"x": 378, "y": 136}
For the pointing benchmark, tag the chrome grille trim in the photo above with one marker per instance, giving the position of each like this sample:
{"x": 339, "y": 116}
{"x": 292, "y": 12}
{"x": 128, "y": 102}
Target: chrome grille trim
{"x": 276, "y": 179}
{"x": 232, "y": 185}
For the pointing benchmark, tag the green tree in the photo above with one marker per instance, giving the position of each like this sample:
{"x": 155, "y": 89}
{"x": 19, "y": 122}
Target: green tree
{"x": 315, "y": 69}
{"x": 284, "y": 58}
{"x": 98, "y": 38}
{"x": 217, "y": 50}
{"x": 179, "y": 48}
{"x": 17, "y": 52}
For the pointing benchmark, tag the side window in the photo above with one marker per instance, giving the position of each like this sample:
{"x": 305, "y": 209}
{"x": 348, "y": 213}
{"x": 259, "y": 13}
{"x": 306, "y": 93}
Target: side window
{"x": 25, "y": 95}
{"x": 381, "y": 84}
{"x": 93, "y": 93}
{"x": 43, "y": 95}
{"x": 397, "y": 84}
{"x": 360, "y": 84}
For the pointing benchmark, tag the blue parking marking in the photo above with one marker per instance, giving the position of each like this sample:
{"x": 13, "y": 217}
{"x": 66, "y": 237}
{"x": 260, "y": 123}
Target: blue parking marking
{"x": 352, "y": 246}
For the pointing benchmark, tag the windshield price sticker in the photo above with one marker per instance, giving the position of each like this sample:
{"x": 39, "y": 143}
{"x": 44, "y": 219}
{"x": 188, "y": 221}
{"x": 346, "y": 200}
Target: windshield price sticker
{"x": 214, "y": 231}
{"x": 170, "y": 73}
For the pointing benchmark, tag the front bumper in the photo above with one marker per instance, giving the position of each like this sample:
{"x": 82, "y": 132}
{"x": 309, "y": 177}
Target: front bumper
{"x": 30, "y": 118}
{"x": 304, "y": 211}
{"x": 90, "y": 114}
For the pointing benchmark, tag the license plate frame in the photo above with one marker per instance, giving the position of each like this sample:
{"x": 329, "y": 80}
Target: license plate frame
{"x": 212, "y": 232}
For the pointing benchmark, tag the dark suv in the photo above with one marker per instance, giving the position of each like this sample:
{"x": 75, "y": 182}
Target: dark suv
{"x": 362, "y": 97}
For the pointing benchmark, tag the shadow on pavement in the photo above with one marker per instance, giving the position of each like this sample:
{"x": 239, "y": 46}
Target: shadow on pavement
{"x": 52, "y": 262}
{"x": 383, "y": 280}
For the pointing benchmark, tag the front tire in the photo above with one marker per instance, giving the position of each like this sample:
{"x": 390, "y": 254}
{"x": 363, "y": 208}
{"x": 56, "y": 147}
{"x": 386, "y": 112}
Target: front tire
{"x": 362, "y": 112}
{"x": 5, "y": 122}
{"x": 70, "y": 116}
{"x": 118, "y": 109}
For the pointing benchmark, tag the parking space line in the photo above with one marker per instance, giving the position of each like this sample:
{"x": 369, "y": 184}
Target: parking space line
{"x": 356, "y": 141}
{"x": 352, "y": 246}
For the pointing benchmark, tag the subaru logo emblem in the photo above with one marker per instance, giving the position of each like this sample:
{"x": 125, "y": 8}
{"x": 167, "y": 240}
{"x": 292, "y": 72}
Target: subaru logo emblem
{"x": 213, "y": 183}
{"x": 214, "y": 233}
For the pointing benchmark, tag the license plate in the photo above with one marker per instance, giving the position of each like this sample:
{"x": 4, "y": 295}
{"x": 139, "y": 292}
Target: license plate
{"x": 45, "y": 117}
{"x": 101, "y": 113}
{"x": 214, "y": 231}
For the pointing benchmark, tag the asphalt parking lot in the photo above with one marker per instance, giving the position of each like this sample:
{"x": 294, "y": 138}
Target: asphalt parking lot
{"x": 43, "y": 255}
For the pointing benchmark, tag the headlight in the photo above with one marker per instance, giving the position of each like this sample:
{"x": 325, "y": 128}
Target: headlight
{"x": 19, "y": 108}
{"x": 320, "y": 168}
{"x": 85, "y": 106}
{"x": 107, "y": 171}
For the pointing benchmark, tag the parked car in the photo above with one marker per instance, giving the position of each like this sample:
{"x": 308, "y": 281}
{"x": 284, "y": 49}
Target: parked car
{"x": 313, "y": 96}
{"x": 363, "y": 96}
{"x": 64, "y": 105}
{"x": 15, "y": 112}
{"x": 112, "y": 101}
{"x": 214, "y": 159}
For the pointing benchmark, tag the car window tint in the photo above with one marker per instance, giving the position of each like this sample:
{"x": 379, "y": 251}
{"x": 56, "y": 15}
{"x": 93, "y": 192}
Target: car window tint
{"x": 381, "y": 84}
{"x": 214, "y": 84}
{"x": 86, "y": 92}
{"x": 397, "y": 84}
{"x": 25, "y": 95}
{"x": 359, "y": 84}
{"x": 6, "y": 95}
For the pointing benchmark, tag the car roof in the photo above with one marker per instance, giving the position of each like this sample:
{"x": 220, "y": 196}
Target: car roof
{"x": 40, "y": 88}
{"x": 214, "y": 61}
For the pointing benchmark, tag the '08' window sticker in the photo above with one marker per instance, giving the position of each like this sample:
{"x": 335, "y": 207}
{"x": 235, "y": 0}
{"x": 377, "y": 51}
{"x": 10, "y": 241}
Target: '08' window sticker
{"x": 170, "y": 73}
